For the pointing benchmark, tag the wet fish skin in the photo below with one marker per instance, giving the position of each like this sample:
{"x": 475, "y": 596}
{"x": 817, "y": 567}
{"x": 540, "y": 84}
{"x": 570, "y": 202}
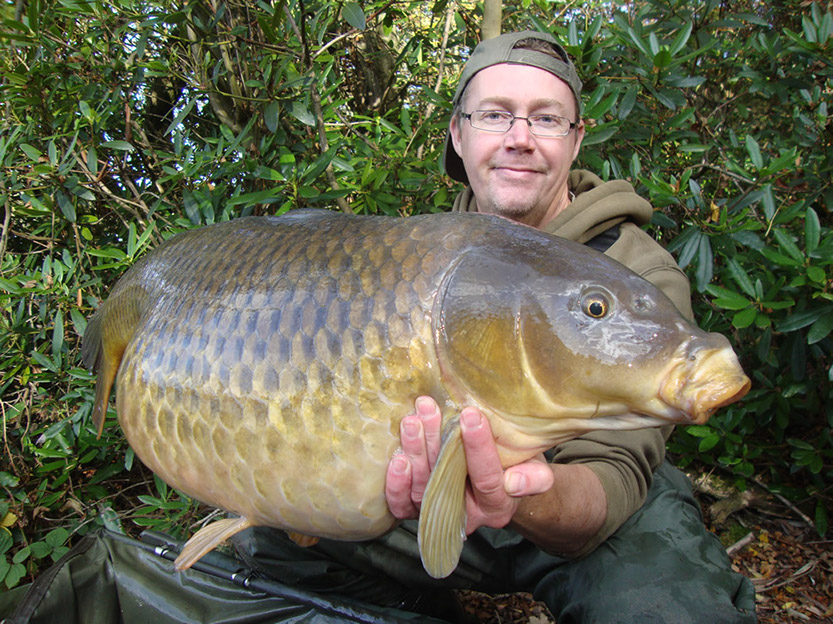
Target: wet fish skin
{"x": 263, "y": 365}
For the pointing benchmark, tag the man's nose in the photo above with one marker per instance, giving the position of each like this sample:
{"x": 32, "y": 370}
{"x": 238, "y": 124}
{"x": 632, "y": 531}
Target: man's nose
{"x": 519, "y": 135}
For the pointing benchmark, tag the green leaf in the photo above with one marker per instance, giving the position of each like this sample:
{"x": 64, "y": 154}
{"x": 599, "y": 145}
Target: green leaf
{"x": 812, "y": 231}
{"x": 181, "y": 115}
{"x": 302, "y": 113}
{"x": 741, "y": 277}
{"x": 267, "y": 173}
{"x": 779, "y": 258}
{"x": 66, "y": 206}
{"x": 113, "y": 253}
{"x": 820, "y": 328}
{"x": 705, "y": 263}
{"x": 59, "y": 552}
{"x": 787, "y": 244}
{"x": 119, "y": 145}
{"x": 600, "y": 134}
{"x": 732, "y": 303}
{"x": 258, "y": 197}
{"x": 821, "y": 517}
{"x": 801, "y": 444}
{"x": 700, "y": 431}
{"x": 22, "y": 555}
{"x": 661, "y": 219}
{"x": 107, "y": 472}
{"x": 32, "y": 152}
{"x": 85, "y": 110}
{"x": 708, "y": 443}
{"x": 662, "y": 59}
{"x": 816, "y": 274}
{"x": 799, "y": 320}
{"x": 6, "y": 540}
{"x": 745, "y": 318}
{"x": 16, "y": 572}
{"x": 131, "y": 240}
{"x": 57, "y": 537}
{"x": 44, "y": 361}
{"x": 627, "y": 103}
{"x": 8, "y": 480}
{"x": 58, "y": 335}
{"x": 768, "y": 201}
{"x": 270, "y": 116}
{"x": 754, "y": 151}
{"x": 40, "y": 550}
{"x": 682, "y": 37}
{"x": 354, "y": 15}
{"x": 809, "y": 29}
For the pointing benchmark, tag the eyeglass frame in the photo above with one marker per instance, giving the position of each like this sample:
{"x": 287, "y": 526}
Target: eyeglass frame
{"x": 573, "y": 124}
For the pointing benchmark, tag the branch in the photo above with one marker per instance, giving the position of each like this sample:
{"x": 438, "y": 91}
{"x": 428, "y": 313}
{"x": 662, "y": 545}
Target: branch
{"x": 215, "y": 99}
{"x": 490, "y": 26}
{"x": 4, "y": 235}
{"x": 429, "y": 110}
{"x": 131, "y": 206}
{"x": 324, "y": 145}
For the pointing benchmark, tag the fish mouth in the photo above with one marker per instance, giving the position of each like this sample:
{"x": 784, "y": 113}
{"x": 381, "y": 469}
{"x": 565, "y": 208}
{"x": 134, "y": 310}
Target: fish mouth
{"x": 703, "y": 378}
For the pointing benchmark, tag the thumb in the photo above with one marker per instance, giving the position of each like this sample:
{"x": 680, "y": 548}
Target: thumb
{"x": 529, "y": 478}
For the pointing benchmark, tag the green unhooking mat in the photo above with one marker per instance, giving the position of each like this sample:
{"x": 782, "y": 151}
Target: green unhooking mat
{"x": 108, "y": 578}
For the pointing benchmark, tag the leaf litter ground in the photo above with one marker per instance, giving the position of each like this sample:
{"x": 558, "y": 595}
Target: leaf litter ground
{"x": 790, "y": 566}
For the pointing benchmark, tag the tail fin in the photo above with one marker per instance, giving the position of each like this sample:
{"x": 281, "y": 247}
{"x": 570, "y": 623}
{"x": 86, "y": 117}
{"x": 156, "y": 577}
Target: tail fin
{"x": 105, "y": 339}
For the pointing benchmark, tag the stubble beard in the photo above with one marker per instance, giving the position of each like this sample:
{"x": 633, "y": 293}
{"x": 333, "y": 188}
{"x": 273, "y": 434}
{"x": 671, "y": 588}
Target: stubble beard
{"x": 518, "y": 208}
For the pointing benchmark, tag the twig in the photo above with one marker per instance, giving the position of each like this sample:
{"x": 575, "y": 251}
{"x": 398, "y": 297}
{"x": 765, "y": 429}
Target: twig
{"x": 775, "y": 583}
{"x": 740, "y": 544}
{"x": 789, "y": 505}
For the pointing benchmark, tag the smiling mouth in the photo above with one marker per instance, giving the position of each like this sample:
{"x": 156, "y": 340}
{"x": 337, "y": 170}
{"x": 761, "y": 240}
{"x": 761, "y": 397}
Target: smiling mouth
{"x": 515, "y": 170}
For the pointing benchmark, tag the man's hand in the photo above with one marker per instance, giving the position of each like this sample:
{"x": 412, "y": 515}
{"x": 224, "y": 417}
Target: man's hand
{"x": 492, "y": 494}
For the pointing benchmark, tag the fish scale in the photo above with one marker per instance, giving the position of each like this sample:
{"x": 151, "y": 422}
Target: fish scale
{"x": 263, "y": 365}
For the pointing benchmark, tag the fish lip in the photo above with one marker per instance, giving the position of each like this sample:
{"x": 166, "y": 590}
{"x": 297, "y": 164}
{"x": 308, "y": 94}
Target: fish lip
{"x": 701, "y": 380}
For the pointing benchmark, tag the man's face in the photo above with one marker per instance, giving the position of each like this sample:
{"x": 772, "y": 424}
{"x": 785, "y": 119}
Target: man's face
{"x": 516, "y": 174}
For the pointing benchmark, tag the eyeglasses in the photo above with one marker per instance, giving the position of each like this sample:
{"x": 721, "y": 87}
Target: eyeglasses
{"x": 549, "y": 126}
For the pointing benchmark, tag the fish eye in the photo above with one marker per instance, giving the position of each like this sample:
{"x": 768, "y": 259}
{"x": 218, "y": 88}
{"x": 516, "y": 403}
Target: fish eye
{"x": 595, "y": 306}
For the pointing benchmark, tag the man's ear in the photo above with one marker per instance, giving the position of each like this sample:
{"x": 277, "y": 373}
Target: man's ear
{"x": 579, "y": 138}
{"x": 455, "y": 130}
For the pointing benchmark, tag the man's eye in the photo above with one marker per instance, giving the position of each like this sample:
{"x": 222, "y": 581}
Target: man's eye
{"x": 547, "y": 120}
{"x": 494, "y": 116}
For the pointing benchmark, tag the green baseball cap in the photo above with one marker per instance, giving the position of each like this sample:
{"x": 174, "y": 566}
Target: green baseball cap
{"x": 502, "y": 50}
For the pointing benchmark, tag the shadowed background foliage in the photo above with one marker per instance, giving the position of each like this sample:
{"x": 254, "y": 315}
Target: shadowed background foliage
{"x": 127, "y": 121}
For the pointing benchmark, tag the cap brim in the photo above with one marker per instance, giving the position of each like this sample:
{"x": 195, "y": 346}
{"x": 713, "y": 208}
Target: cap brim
{"x": 452, "y": 162}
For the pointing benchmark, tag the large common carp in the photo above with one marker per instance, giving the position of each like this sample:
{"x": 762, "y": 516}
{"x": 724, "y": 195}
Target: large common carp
{"x": 263, "y": 365}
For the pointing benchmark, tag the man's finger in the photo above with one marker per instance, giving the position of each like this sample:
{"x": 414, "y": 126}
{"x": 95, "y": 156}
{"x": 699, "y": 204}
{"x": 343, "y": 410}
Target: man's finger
{"x": 429, "y": 414}
{"x": 482, "y": 459}
{"x": 398, "y": 488}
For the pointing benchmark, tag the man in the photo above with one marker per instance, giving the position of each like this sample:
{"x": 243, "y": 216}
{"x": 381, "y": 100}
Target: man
{"x": 603, "y": 530}
{"x": 513, "y": 136}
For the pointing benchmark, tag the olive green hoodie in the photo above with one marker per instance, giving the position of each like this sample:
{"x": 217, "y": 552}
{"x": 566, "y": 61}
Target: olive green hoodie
{"x": 624, "y": 461}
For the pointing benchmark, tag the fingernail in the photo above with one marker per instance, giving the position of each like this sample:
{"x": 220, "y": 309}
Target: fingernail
{"x": 424, "y": 407}
{"x": 470, "y": 419}
{"x": 410, "y": 428}
{"x": 515, "y": 483}
{"x": 399, "y": 464}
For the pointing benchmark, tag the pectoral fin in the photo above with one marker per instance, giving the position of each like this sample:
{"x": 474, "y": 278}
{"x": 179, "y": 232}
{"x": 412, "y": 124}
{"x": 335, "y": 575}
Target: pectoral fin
{"x": 207, "y": 539}
{"x": 304, "y": 541}
{"x": 442, "y": 520}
